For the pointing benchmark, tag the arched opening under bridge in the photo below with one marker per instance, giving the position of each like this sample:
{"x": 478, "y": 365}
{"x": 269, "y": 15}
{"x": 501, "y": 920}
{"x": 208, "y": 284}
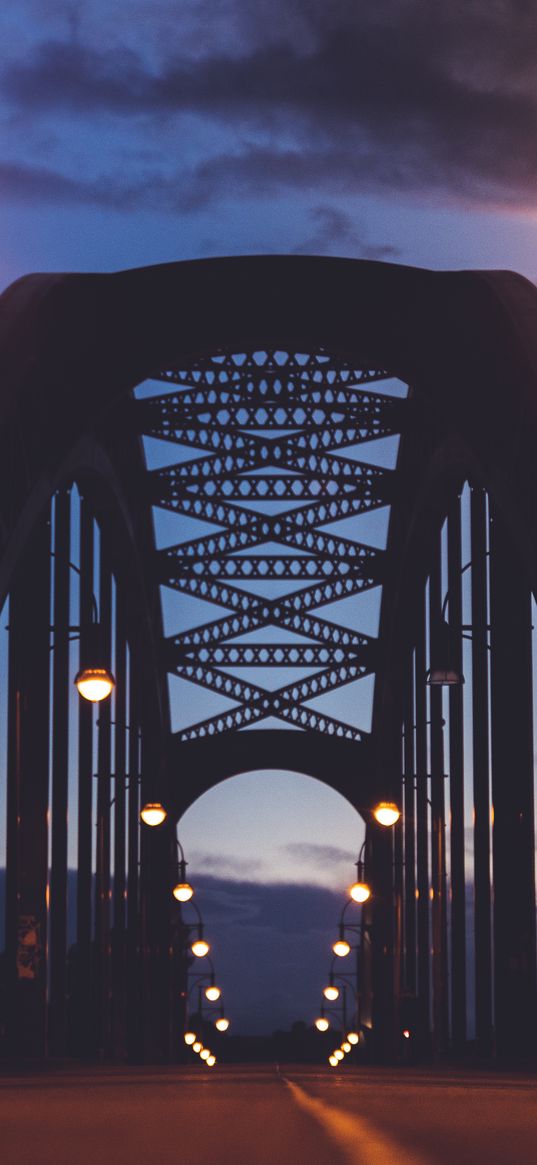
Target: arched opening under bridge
{"x": 271, "y": 856}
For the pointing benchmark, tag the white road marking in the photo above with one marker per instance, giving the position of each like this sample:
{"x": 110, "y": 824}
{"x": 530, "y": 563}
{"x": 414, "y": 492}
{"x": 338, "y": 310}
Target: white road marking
{"x": 359, "y": 1140}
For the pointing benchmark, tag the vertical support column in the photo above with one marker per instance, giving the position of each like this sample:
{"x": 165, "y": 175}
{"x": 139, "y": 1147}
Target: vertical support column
{"x": 156, "y": 870}
{"x": 512, "y": 796}
{"x": 382, "y": 930}
{"x": 438, "y": 839}
{"x": 385, "y": 933}
{"x": 422, "y": 831}
{"x": 102, "y": 889}
{"x": 60, "y": 731}
{"x": 83, "y": 1026}
{"x": 456, "y": 785}
{"x": 133, "y": 1019}
{"x": 410, "y": 833}
{"x": 118, "y": 945}
{"x": 480, "y": 747}
{"x": 28, "y": 773}
{"x": 399, "y": 906}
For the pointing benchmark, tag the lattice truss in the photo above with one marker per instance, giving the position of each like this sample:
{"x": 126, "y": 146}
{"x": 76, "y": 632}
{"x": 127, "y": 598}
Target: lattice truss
{"x": 268, "y": 430}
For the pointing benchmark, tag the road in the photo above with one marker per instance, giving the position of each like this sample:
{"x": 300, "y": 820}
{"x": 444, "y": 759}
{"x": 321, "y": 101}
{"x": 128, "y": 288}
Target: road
{"x": 257, "y": 1115}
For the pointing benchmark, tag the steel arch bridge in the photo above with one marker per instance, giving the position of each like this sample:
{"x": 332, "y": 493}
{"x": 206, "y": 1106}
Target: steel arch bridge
{"x": 270, "y": 376}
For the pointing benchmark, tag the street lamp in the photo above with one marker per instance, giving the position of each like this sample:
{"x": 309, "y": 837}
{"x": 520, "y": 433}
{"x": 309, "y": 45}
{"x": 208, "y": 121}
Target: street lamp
{"x": 182, "y": 891}
{"x": 442, "y": 671}
{"x": 153, "y": 813}
{"x": 189, "y": 1038}
{"x": 341, "y": 947}
{"x": 200, "y": 947}
{"x": 386, "y": 813}
{"x": 322, "y": 1023}
{"x": 331, "y": 992}
{"x": 94, "y": 681}
{"x": 360, "y": 891}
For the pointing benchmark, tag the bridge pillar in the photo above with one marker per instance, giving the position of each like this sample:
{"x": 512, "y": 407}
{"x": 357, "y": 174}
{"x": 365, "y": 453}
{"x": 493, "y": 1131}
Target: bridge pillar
{"x": 481, "y": 774}
{"x": 83, "y": 1026}
{"x": 438, "y": 825}
{"x": 59, "y": 782}
{"x": 103, "y": 984}
{"x": 512, "y": 796}
{"x": 382, "y": 945}
{"x": 422, "y": 834}
{"x": 456, "y": 785}
{"x": 28, "y": 778}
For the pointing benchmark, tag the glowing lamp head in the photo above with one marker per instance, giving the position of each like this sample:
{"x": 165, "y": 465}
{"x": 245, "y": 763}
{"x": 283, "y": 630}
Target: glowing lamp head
{"x": 222, "y": 1024}
{"x": 200, "y": 948}
{"x": 346, "y": 1047}
{"x": 153, "y": 813}
{"x": 341, "y": 948}
{"x": 339, "y": 1054}
{"x": 331, "y": 992}
{"x": 333, "y": 1060}
{"x": 353, "y": 1037}
{"x": 210, "y": 1061}
{"x": 197, "y": 1047}
{"x": 386, "y": 813}
{"x": 94, "y": 683}
{"x": 322, "y": 1024}
{"x": 360, "y": 892}
{"x": 190, "y": 1038}
{"x": 183, "y": 892}
{"x": 205, "y": 1053}
{"x": 212, "y": 993}
{"x": 406, "y": 1034}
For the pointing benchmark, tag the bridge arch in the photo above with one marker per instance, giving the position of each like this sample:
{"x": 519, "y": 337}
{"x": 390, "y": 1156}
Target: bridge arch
{"x": 74, "y": 347}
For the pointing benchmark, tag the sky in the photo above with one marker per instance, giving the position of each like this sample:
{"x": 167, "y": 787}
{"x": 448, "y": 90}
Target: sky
{"x": 155, "y": 131}
{"x": 140, "y": 133}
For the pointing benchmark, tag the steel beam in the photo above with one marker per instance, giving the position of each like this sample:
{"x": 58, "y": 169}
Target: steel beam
{"x": 104, "y": 797}
{"x": 409, "y": 831}
{"x": 119, "y": 891}
{"x": 60, "y": 774}
{"x": 512, "y": 796}
{"x": 83, "y": 1025}
{"x": 438, "y": 821}
{"x": 481, "y": 774}
{"x": 27, "y": 783}
{"x": 456, "y": 785}
{"x": 422, "y": 830}
{"x": 133, "y": 952}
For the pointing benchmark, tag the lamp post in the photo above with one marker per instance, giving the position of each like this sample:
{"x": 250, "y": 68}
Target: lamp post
{"x": 195, "y": 1025}
{"x": 360, "y": 891}
{"x": 182, "y": 891}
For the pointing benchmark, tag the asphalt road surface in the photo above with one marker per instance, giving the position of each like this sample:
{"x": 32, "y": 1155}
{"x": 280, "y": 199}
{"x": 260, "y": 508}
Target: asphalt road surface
{"x": 267, "y": 1116}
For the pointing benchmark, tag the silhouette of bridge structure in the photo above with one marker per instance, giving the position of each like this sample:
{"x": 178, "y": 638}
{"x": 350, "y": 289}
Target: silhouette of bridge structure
{"x": 270, "y": 376}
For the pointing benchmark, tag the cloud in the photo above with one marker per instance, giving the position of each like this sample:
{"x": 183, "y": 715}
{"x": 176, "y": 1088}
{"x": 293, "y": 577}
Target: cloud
{"x": 334, "y": 228}
{"x": 407, "y": 97}
{"x": 233, "y": 866}
{"x": 270, "y": 945}
{"x": 318, "y": 854}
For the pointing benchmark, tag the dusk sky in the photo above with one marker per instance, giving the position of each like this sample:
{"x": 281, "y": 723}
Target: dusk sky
{"x": 149, "y": 132}
{"x": 141, "y": 133}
